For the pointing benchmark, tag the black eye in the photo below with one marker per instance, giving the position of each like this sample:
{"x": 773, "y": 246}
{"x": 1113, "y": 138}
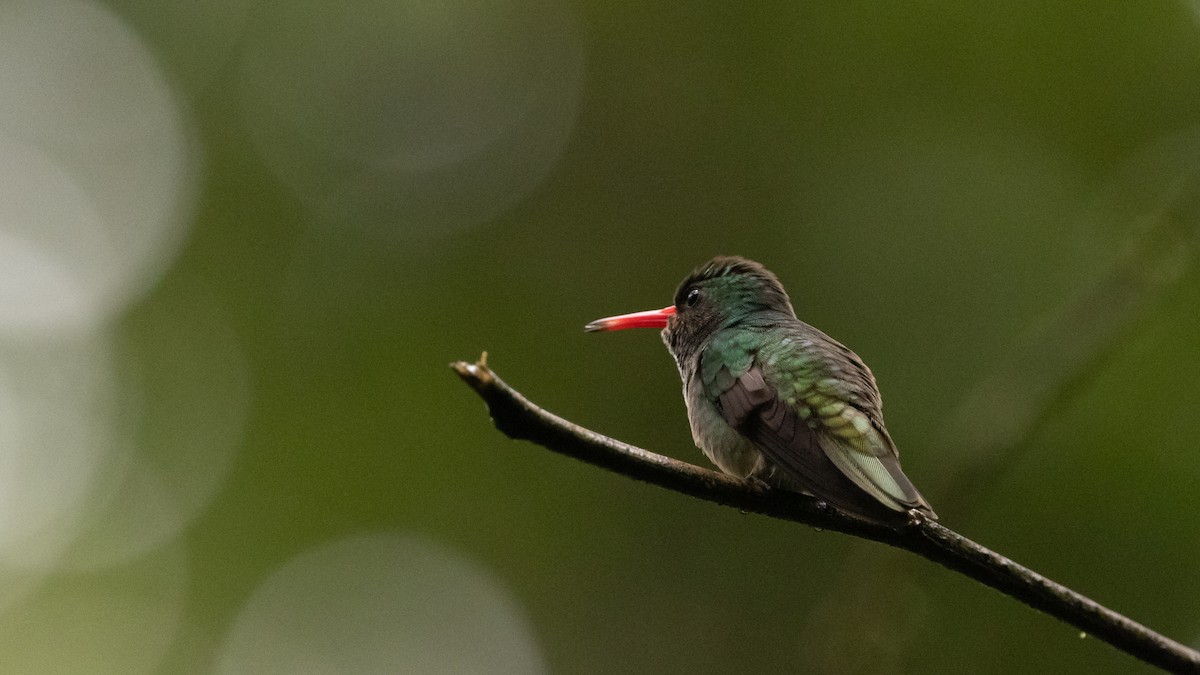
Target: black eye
{"x": 693, "y": 297}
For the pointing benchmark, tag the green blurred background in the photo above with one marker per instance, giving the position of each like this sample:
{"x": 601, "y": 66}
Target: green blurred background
{"x": 240, "y": 242}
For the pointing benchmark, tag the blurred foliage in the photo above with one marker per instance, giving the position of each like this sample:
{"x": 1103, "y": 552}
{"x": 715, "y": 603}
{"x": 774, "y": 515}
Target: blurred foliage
{"x": 929, "y": 180}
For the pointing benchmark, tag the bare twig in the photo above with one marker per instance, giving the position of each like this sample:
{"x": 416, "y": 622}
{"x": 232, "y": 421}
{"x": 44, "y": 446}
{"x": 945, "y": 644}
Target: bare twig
{"x": 518, "y": 418}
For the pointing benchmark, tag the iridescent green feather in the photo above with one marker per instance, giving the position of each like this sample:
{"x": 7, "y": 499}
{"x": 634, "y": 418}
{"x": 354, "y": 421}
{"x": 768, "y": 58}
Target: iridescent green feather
{"x": 844, "y": 410}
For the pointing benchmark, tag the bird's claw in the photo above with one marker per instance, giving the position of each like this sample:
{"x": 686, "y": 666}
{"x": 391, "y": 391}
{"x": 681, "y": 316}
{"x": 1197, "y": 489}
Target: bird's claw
{"x": 758, "y": 483}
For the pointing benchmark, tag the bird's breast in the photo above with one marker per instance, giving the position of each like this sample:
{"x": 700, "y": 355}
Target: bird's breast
{"x": 732, "y": 452}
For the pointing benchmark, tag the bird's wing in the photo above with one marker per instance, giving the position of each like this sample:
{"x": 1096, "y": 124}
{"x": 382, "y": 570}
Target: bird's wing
{"x": 814, "y": 431}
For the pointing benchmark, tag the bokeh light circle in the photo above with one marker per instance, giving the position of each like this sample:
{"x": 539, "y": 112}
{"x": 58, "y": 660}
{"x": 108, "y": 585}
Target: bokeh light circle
{"x": 59, "y": 402}
{"x": 121, "y": 621}
{"x": 184, "y": 438}
{"x": 403, "y": 116}
{"x": 56, "y": 407}
{"x": 55, "y": 260}
{"x": 96, "y": 177}
{"x": 95, "y": 172}
{"x": 380, "y": 603}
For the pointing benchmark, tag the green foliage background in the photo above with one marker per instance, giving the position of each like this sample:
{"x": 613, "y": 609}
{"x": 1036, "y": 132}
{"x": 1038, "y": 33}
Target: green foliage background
{"x": 930, "y": 180}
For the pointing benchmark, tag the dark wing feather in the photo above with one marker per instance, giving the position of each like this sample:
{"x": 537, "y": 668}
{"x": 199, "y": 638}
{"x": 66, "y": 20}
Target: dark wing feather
{"x": 744, "y": 396}
{"x": 754, "y": 408}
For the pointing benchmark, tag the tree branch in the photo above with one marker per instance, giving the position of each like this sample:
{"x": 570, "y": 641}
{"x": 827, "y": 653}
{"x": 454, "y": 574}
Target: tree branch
{"x": 518, "y": 418}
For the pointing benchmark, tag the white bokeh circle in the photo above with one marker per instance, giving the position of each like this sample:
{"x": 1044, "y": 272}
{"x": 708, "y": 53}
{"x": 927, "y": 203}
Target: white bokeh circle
{"x": 120, "y": 622}
{"x": 97, "y": 172}
{"x": 56, "y": 262}
{"x": 183, "y": 439}
{"x": 95, "y": 168}
{"x": 380, "y": 603}
{"x": 58, "y": 401}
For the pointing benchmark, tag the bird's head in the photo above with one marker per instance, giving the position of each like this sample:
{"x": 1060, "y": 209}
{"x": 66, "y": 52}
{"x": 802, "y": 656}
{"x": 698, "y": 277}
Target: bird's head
{"x": 718, "y": 294}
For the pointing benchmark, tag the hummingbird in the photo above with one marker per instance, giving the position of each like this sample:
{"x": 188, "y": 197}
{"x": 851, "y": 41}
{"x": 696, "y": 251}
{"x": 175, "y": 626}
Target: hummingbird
{"x": 772, "y": 398}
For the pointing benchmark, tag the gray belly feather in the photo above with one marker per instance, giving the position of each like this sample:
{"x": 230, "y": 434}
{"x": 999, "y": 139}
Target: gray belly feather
{"x": 721, "y": 443}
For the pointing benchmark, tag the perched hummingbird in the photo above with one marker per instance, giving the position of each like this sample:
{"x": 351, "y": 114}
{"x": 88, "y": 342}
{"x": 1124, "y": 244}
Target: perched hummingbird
{"x": 770, "y": 397}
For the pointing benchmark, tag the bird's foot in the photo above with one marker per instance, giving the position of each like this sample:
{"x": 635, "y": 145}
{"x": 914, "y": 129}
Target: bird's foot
{"x": 916, "y": 518}
{"x": 758, "y": 483}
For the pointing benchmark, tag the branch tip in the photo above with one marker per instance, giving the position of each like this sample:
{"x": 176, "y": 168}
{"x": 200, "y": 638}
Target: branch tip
{"x": 477, "y": 374}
